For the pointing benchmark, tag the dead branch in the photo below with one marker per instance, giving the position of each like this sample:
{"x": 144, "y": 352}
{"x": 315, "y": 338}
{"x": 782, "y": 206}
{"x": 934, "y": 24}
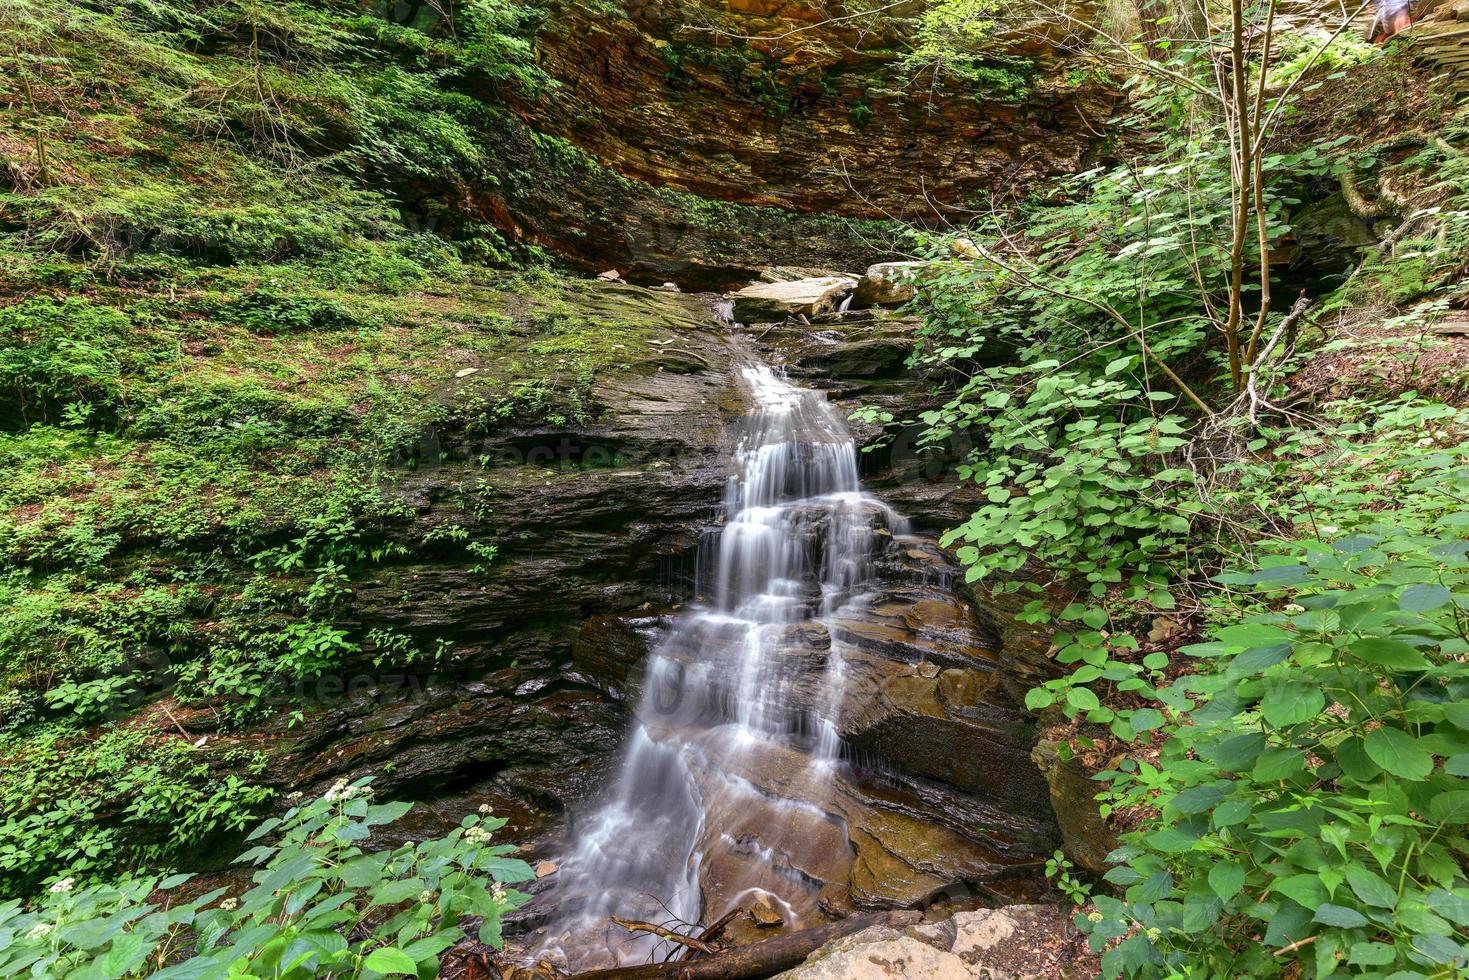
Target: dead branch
{"x": 634, "y": 925}
{"x": 717, "y": 929}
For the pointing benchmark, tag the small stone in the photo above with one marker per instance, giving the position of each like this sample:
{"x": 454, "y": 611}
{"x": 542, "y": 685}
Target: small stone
{"x": 545, "y": 868}
{"x": 764, "y": 912}
{"x": 611, "y": 275}
{"x": 466, "y": 372}
{"x": 1163, "y": 628}
{"x": 964, "y": 248}
{"x": 670, "y": 287}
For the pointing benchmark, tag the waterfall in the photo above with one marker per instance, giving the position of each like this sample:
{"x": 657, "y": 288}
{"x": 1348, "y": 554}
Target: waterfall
{"x": 736, "y": 685}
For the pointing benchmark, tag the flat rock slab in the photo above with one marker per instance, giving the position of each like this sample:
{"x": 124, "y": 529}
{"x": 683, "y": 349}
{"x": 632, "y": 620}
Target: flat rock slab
{"x": 767, "y": 302}
{"x": 1018, "y": 942}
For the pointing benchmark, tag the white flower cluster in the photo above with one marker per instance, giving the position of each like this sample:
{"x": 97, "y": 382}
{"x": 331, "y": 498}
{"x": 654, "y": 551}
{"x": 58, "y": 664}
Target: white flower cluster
{"x": 485, "y": 809}
{"x": 1294, "y": 607}
{"x": 477, "y": 835}
{"x": 40, "y": 930}
{"x": 64, "y": 885}
{"x": 230, "y": 904}
{"x": 426, "y": 897}
{"x": 497, "y": 891}
{"x": 341, "y": 791}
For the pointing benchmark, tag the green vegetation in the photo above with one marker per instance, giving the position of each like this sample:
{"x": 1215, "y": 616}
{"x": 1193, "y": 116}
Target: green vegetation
{"x": 318, "y": 905}
{"x": 1246, "y": 520}
{"x": 224, "y": 337}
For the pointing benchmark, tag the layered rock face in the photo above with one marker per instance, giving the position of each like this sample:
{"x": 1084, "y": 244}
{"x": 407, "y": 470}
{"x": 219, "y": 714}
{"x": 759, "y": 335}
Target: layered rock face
{"x": 701, "y": 141}
{"x": 801, "y": 104}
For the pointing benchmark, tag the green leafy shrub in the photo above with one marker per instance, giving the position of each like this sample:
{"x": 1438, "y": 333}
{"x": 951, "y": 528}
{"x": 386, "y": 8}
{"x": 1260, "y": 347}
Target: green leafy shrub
{"x": 318, "y": 905}
{"x": 1311, "y": 797}
{"x": 1075, "y": 468}
{"x": 268, "y": 313}
{"x": 54, "y": 353}
{"x": 94, "y": 807}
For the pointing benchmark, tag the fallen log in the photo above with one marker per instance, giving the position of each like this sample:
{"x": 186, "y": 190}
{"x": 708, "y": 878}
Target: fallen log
{"x": 756, "y": 960}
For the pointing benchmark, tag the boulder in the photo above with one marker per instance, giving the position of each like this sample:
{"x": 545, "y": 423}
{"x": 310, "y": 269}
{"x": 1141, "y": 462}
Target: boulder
{"x": 889, "y": 283}
{"x": 767, "y": 302}
{"x": 1017, "y": 942}
{"x": 1085, "y": 835}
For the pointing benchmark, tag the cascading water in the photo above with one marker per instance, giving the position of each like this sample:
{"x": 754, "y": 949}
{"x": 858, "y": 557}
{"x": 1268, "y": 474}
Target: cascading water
{"x": 731, "y": 689}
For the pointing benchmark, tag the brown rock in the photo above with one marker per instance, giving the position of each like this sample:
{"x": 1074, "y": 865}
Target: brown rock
{"x": 764, "y": 912}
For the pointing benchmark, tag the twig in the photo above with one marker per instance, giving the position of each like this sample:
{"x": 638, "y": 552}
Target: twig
{"x": 1295, "y": 945}
{"x": 633, "y": 925}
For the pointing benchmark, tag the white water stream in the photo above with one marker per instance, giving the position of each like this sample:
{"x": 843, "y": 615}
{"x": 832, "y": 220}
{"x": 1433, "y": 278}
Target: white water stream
{"x": 730, "y": 686}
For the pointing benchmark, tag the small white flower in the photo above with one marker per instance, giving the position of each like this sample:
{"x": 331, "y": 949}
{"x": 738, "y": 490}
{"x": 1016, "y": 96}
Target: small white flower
{"x": 1154, "y": 935}
{"x": 498, "y": 892}
{"x": 1329, "y": 529}
{"x": 425, "y": 897}
{"x": 1294, "y": 607}
{"x": 1094, "y": 917}
{"x": 64, "y": 885}
{"x": 230, "y": 904}
{"x": 293, "y": 796}
{"x": 1426, "y": 441}
{"x": 40, "y": 930}
{"x": 485, "y": 809}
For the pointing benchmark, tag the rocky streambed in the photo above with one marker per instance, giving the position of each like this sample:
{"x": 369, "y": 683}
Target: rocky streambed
{"x": 598, "y": 524}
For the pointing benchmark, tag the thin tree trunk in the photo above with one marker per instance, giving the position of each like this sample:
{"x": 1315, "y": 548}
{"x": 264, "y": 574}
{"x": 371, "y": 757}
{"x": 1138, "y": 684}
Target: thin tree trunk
{"x": 1244, "y": 168}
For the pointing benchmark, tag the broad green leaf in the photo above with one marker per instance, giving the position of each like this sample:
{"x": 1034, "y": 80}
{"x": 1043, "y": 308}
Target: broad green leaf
{"x": 1392, "y": 654}
{"x": 1231, "y": 812}
{"x": 1339, "y": 916}
{"x": 1226, "y": 879}
{"x": 1304, "y": 889}
{"x": 1451, "y": 807}
{"x": 1398, "y": 753}
{"x": 1424, "y": 598}
{"x": 1371, "y": 887}
{"x": 1248, "y": 635}
{"x": 390, "y": 959}
{"x": 1291, "y": 702}
{"x": 1146, "y": 719}
{"x": 1198, "y": 799}
{"x": 1080, "y": 697}
{"x": 1371, "y": 954}
{"x": 1238, "y": 752}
